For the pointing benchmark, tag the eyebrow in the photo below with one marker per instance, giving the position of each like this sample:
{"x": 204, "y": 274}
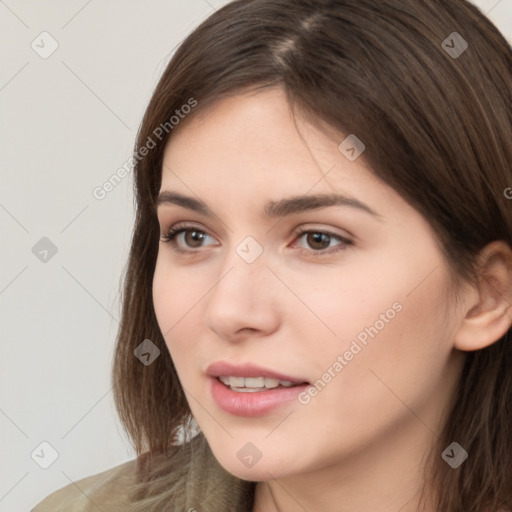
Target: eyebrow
{"x": 281, "y": 208}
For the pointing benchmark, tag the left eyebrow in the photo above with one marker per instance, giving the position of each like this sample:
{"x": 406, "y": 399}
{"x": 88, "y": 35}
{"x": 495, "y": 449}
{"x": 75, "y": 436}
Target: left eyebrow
{"x": 281, "y": 208}
{"x": 299, "y": 204}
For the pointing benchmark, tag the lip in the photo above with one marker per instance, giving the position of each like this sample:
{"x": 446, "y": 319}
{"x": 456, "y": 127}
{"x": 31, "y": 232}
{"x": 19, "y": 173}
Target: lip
{"x": 255, "y": 403}
{"x": 223, "y": 368}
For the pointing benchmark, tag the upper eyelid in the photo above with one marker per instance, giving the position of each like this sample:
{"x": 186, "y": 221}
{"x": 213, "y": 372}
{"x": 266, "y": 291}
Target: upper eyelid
{"x": 185, "y": 226}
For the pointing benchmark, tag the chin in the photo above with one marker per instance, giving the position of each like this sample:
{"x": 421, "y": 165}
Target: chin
{"x": 264, "y": 469}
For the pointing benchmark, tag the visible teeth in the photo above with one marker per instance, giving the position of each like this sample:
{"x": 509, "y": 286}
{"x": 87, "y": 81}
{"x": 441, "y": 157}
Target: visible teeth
{"x": 236, "y": 381}
{"x": 271, "y": 383}
{"x": 224, "y": 380}
{"x": 248, "y": 384}
{"x": 253, "y": 382}
{"x": 246, "y": 390}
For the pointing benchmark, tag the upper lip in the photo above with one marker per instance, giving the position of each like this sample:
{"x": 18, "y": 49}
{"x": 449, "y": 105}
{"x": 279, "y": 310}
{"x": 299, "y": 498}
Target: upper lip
{"x": 223, "y": 368}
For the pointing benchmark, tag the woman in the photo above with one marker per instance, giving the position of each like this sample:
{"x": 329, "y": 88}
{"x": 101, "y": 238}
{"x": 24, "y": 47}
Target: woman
{"x": 320, "y": 273}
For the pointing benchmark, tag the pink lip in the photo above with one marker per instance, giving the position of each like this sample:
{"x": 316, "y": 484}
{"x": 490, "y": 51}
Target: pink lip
{"x": 253, "y": 403}
{"x": 225, "y": 369}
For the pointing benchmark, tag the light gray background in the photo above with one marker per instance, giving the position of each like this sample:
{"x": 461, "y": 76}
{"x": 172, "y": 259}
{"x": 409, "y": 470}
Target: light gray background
{"x": 68, "y": 122}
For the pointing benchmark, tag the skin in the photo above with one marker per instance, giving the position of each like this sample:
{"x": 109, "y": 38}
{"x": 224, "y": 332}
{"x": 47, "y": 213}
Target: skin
{"x": 360, "y": 443}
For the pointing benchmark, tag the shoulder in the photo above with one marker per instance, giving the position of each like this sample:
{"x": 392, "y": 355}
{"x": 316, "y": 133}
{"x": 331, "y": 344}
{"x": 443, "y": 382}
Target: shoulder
{"x": 106, "y": 491}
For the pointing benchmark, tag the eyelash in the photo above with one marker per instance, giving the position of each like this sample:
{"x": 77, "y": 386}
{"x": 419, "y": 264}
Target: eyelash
{"x": 170, "y": 238}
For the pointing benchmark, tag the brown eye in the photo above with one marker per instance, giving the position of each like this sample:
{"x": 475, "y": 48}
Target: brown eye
{"x": 318, "y": 241}
{"x": 192, "y": 238}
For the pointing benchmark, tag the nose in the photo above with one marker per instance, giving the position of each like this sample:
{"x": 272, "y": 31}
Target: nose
{"x": 244, "y": 300}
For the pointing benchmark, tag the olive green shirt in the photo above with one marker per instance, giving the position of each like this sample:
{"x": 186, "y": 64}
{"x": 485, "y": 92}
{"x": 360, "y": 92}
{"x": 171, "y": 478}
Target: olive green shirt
{"x": 106, "y": 491}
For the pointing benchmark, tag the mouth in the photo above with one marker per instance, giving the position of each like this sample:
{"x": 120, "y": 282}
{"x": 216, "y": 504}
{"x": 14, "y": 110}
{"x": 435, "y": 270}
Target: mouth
{"x": 253, "y": 401}
{"x": 250, "y": 391}
{"x": 249, "y": 376}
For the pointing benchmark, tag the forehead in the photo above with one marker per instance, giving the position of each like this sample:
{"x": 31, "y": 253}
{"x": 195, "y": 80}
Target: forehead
{"x": 252, "y": 135}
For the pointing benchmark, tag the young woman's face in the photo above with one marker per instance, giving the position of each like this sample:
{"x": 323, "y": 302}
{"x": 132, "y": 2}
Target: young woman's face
{"x": 358, "y": 307}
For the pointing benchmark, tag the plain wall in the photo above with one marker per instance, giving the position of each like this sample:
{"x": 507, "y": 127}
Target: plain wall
{"x": 68, "y": 123}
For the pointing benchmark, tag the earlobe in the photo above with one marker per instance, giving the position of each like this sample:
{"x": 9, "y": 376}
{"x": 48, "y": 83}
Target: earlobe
{"x": 488, "y": 314}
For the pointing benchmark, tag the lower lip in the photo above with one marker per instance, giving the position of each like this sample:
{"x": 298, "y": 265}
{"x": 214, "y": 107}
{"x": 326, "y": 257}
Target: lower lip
{"x": 252, "y": 403}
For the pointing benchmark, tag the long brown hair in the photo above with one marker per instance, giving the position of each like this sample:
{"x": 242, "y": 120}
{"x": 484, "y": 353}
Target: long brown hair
{"x": 434, "y": 110}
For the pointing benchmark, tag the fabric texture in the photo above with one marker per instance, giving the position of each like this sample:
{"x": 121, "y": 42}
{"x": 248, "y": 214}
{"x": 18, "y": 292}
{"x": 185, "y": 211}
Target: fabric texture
{"x": 106, "y": 492}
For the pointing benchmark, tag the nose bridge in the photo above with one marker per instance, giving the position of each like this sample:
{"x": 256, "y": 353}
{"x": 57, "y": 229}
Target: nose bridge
{"x": 244, "y": 270}
{"x": 240, "y": 298}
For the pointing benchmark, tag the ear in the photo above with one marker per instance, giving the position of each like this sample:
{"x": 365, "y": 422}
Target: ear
{"x": 488, "y": 311}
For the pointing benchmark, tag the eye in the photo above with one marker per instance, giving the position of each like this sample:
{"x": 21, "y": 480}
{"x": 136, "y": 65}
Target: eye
{"x": 193, "y": 237}
{"x": 320, "y": 240}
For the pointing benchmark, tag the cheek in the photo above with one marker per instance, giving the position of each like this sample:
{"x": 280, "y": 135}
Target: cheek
{"x": 359, "y": 302}
{"x": 176, "y": 299}
{"x": 176, "y": 294}
{"x": 164, "y": 297}
{"x": 385, "y": 319}
{"x": 389, "y": 364}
